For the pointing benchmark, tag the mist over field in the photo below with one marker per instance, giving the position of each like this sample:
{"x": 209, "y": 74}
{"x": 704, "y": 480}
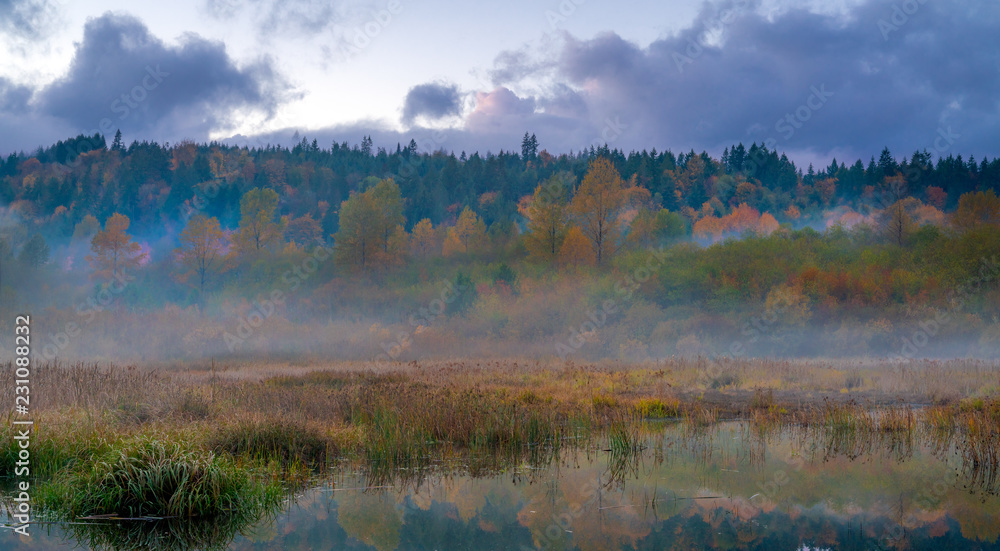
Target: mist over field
{"x": 353, "y": 253}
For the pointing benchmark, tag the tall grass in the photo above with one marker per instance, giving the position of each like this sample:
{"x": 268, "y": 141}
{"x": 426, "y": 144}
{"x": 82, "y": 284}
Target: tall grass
{"x": 147, "y": 477}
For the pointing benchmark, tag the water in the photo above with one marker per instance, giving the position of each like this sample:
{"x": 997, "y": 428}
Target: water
{"x": 727, "y": 487}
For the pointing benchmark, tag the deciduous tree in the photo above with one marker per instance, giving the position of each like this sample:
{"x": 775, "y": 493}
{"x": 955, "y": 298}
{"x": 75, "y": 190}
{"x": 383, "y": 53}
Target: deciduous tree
{"x": 112, "y": 249}
{"x": 371, "y": 227}
{"x": 548, "y": 219}
{"x": 259, "y": 225}
{"x": 467, "y": 235}
{"x": 599, "y": 203}
{"x": 202, "y": 248}
{"x": 977, "y": 209}
{"x": 423, "y": 239}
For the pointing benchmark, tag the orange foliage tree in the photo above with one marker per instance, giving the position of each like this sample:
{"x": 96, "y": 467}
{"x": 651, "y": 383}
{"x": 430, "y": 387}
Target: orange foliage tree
{"x": 113, "y": 249}
{"x": 599, "y": 203}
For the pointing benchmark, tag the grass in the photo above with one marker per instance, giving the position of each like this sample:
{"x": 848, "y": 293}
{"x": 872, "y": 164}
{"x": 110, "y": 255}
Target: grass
{"x": 148, "y": 477}
{"x": 194, "y": 440}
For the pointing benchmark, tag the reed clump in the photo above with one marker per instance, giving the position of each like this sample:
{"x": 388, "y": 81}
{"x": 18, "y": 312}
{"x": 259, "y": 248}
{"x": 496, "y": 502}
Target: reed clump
{"x": 655, "y": 408}
{"x": 289, "y": 441}
{"x": 150, "y": 477}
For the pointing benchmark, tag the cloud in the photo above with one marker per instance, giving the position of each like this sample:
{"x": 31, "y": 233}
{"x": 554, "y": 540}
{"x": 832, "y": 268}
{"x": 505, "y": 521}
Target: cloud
{"x": 432, "y": 101}
{"x": 883, "y": 77}
{"x": 123, "y": 77}
{"x": 25, "y": 19}
{"x": 13, "y": 98}
{"x": 273, "y": 17}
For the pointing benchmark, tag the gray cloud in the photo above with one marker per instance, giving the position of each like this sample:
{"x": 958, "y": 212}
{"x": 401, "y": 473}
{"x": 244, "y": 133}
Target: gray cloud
{"x": 895, "y": 79}
{"x": 433, "y": 101}
{"x": 274, "y": 16}
{"x": 123, "y": 77}
{"x": 25, "y": 19}
{"x": 13, "y": 98}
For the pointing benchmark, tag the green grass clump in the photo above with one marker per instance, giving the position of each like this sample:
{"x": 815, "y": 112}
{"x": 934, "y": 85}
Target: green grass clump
{"x": 654, "y": 408}
{"x": 147, "y": 477}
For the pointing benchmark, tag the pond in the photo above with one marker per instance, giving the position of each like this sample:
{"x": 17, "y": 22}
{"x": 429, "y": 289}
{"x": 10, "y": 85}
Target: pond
{"x": 728, "y": 486}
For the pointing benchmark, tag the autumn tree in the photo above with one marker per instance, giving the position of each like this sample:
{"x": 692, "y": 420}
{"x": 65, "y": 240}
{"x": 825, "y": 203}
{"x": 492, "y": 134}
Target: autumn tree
{"x": 371, "y": 231}
{"x": 304, "y": 230}
{"x": 112, "y": 249}
{"x": 656, "y": 226}
{"x": 897, "y": 222}
{"x": 975, "y": 210}
{"x": 86, "y": 229}
{"x": 389, "y": 219}
{"x": 598, "y": 204}
{"x": 467, "y": 235}
{"x": 259, "y": 225}
{"x": 548, "y": 219}
{"x": 576, "y": 249}
{"x": 423, "y": 239}
{"x": 202, "y": 248}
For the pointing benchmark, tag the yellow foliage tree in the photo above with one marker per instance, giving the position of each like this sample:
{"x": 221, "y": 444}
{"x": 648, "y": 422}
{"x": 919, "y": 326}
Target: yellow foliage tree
{"x": 423, "y": 239}
{"x": 467, "y": 235}
{"x": 371, "y": 231}
{"x": 576, "y": 249}
{"x": 975, "y": 210}
{"x": 547, "y": 217}
{"x": 202, "y": 247}
{"x": 259, "y": 226}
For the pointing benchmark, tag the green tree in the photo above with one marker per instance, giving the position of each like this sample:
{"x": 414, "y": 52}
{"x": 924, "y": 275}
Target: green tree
{"x": 35, "y": 252}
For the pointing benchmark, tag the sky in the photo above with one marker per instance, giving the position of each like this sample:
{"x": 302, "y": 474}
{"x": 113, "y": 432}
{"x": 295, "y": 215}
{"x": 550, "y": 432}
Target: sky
{"x": 817, "y": 80}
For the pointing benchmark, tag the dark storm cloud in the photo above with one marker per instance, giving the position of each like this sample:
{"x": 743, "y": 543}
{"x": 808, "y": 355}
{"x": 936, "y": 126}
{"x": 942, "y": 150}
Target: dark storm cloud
{"x": 886, "y": 74}
{"x": 433, "y": 101}
{"x": 123, "y": 77}
{"x": 13, "y": 98}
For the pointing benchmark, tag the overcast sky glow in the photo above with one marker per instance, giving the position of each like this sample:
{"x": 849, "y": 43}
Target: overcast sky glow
{"x": 814, "y": 79}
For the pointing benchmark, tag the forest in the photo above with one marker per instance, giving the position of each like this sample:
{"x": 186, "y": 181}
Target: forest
{"x": 360, "y": 253}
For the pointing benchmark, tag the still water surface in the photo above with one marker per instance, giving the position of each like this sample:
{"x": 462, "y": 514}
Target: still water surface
{"x": 727, "y": 487}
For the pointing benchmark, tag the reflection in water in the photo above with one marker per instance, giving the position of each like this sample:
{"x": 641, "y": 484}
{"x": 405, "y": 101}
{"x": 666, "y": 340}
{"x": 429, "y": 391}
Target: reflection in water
{"x": 730, "y": 486}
